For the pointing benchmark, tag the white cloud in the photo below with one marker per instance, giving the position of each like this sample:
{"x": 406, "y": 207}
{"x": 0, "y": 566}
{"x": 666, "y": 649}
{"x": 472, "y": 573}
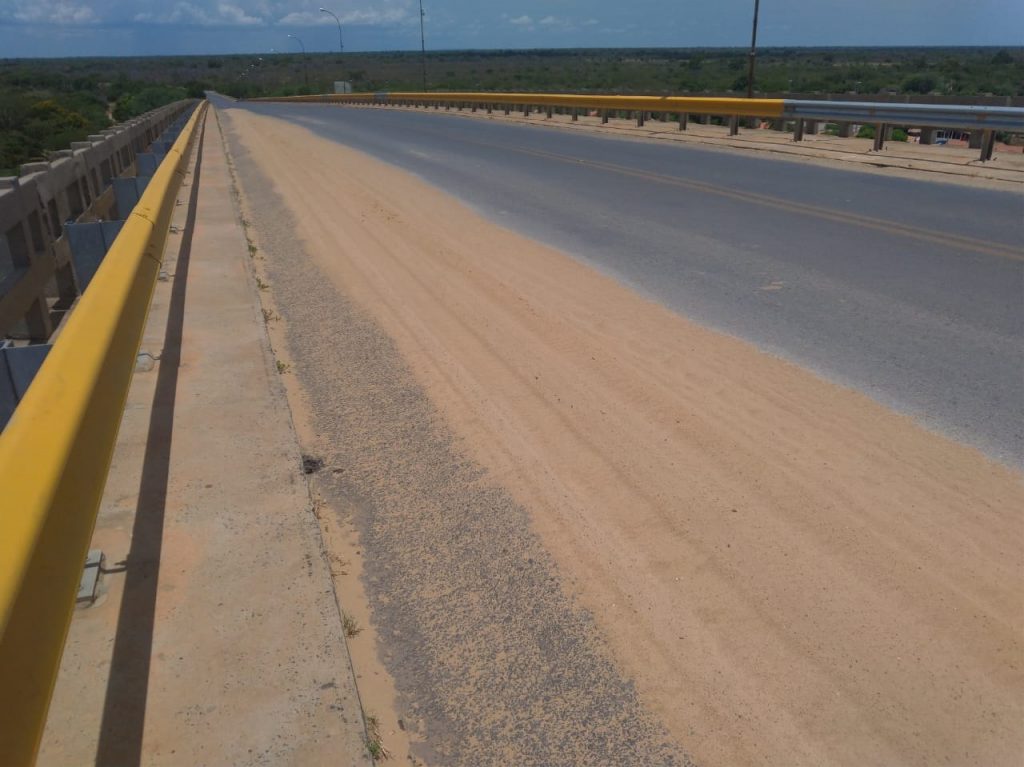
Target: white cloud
{"x": 305, "y": 19}
{"x": 367, "y": 16}
{"x": 221, "y": 14}
{"x": 555, "y": 21}
{"x": 52, "y": 12}
{"x": 233, "y": 13}
{"x": 521, "y": 21}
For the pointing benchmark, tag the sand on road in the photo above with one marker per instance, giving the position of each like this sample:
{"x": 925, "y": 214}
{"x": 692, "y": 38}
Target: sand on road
{"x": 788, "y": 572}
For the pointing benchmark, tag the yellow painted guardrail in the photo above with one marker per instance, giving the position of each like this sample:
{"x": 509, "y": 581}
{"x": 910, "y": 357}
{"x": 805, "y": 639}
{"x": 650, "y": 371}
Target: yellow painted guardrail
{"x": 55, "y": 454}
{"x": 683, "y": 104}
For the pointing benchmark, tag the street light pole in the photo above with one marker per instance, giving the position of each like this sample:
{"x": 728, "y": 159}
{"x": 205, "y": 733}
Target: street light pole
{"x": 753, "y": 53}
{"x": 305, "y": 63}
{"x": 423, "y": 47}
{"x": 341, "y": 45}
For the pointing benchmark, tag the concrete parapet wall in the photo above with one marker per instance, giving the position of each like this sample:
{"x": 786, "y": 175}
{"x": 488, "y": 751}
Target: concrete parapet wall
{"x": 35, "y": 264}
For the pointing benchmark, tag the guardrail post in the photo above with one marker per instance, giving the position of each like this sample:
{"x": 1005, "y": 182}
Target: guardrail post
{"x": 988, "y": 145}
{"x": 640, "y": 119}
{"x": 490, "y": 109}
{"x": 734, "y": 125}
{"x": 880, "y": 131}
{"x": 811, "y": 126}
{"x": 798, "y": 129}
{"x": 927, "y": 136}
{"x": 526, "y": 110}
{"x": 549, "y": 111}
{"x": 508, "y": 110}
{"x": 604, "y": 117}
{"x": 575, "y": 114}
{"x": 684, "y": 118}
{"x": 845, "y": 130}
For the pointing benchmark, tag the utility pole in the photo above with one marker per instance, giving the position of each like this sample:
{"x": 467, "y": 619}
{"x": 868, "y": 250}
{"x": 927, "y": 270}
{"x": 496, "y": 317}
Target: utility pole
{"x": 753, "y": 53}
{"x": 423, "y": 47}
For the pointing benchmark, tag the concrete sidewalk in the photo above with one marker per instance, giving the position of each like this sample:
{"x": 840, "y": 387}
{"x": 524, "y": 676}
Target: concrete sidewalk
{"x": 218, "y": 640}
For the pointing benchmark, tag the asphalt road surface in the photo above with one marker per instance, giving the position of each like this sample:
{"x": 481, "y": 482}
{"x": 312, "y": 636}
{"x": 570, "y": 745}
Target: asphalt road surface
{"x": 908, "y": 291}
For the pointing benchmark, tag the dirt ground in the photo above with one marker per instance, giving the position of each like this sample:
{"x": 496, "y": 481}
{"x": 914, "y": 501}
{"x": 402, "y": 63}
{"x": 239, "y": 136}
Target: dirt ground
{"x": 593, "y": 532}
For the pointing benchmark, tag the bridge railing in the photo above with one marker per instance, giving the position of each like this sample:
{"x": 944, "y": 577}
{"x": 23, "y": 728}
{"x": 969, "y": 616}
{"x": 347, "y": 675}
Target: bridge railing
{"x": 35, "y": 260}
{"x": 982, "y": 122}
{"x": 56, "y": 450}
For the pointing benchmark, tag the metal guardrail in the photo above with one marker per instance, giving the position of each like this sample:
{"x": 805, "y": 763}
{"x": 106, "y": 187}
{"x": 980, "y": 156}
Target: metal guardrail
{"x": 935, "y": 116}
{"x": 56, "y": 451}
{"x": 655, "y": 104}
{"x": 980, "y": 121}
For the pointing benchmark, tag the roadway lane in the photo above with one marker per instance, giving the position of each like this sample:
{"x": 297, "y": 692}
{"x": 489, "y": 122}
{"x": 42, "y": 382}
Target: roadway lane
{"x": 908, "y": 291}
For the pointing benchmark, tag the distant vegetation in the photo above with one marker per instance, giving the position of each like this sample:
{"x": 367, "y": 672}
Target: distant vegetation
{"x": 47, "y": 103}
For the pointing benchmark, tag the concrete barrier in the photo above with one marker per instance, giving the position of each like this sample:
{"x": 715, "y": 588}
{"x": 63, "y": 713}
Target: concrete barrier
{"x": 36, "y": 272}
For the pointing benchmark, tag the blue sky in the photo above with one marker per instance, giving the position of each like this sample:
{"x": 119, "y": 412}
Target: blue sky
{"x": 121, "y": 27}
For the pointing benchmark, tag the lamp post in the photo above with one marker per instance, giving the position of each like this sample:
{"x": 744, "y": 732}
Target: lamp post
{"x": 305, "y": 64}
{"x": 341, "y": 45}
{"x": 423, "y": 47}
{"x": 753, "y": 53}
